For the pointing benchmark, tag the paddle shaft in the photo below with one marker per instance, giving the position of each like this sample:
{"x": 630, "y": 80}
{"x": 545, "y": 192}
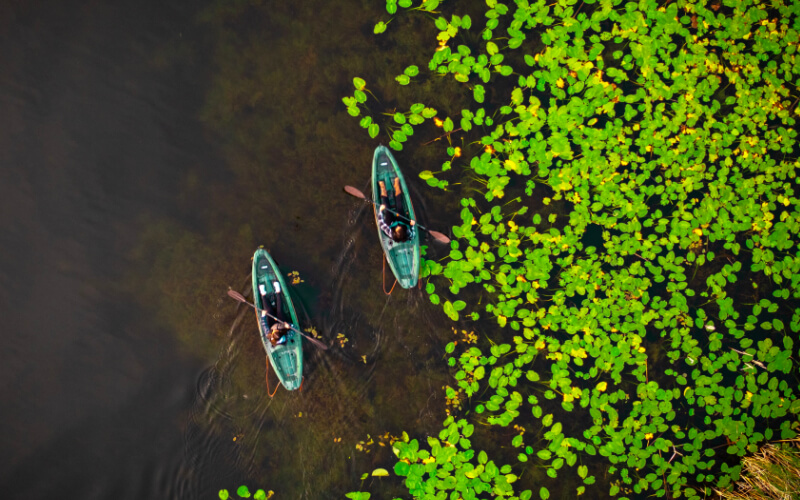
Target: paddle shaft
{"x": 237, "y": 296}
{"x": 389, "y": 210}
{"x": 358, "y": 194}
{"x": 401, "y": 215}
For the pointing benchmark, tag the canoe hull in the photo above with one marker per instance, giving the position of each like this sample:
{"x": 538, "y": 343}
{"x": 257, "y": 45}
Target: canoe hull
{"x": 403, "y": 257}
{"x": 287, "y": 358}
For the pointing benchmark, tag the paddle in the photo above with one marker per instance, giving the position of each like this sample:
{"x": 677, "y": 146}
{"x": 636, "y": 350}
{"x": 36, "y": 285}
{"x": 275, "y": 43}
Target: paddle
{"x": 238, "y": 296}
{"x": 436, "y": 234}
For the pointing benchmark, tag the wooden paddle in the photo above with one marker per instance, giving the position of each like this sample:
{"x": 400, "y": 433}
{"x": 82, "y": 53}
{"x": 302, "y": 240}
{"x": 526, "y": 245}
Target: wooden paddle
{"x": 238, "y": 296}
{"x": 436, "y": 234}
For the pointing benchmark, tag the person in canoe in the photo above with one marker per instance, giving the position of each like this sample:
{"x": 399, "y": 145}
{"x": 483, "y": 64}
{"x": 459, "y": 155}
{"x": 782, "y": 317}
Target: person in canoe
{"x": 390, "y": 224}
{"x": 279, "y": 329}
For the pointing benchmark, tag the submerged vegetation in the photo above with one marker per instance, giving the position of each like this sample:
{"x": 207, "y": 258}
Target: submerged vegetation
{"x": 629, "y": 219}
{"x": 273, "y": 176}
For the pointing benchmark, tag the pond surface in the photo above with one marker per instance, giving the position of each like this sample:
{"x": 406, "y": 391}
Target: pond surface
{"x": 146, "y": 150}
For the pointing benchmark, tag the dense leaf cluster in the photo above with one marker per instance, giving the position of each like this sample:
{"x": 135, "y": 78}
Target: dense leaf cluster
{"x": 652, "y": 151}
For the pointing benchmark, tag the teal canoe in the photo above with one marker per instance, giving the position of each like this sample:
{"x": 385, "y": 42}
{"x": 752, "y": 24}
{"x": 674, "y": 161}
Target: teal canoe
{"x": 286, "y": 358}
{"x": 403, "y": 257}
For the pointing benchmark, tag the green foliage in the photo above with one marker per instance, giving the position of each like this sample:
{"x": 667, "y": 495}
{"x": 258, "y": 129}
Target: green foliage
{"x": 380, "y": 472}
{"x": 648, "y": 152}
{"x": 450, "y": 465}
{"x": 244, "y": 492}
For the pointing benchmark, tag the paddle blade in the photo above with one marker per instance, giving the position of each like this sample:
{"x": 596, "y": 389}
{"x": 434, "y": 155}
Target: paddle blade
{"x": 238, "y": 296}
{"x": 316, "y": 342}
{"x": 354, "y": 192}
{"x": 439, "y": 236}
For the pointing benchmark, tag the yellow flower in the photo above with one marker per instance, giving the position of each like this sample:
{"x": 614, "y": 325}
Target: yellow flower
{"x": 648, "y": 436}
{"x": 457, "y": 152}
{"x": 438, "y": 122}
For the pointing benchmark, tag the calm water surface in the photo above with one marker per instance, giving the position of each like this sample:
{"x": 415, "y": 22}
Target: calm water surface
{"x": 146, "y": 149}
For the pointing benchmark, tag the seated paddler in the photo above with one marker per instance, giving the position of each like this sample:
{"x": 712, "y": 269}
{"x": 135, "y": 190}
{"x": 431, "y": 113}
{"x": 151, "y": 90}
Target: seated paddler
{"x": 274, "y": 314}
{"x": 392, "y": 225}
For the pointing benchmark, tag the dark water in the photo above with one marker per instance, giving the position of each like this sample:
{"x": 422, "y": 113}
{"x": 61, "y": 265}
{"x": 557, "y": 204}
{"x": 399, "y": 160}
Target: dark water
{"x": 146, "y": 149}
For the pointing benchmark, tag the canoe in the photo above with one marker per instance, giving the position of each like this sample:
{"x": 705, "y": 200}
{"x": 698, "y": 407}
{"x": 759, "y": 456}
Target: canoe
{"x": 403, "y": 257}
{"x": 287, "y": 358}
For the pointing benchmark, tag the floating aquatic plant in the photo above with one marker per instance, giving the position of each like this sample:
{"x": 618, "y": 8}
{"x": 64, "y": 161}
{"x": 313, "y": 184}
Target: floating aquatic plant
{"x": 244, "y": 492}
{"x": 452, "y": 467}
{"x": 634, "y": 234}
